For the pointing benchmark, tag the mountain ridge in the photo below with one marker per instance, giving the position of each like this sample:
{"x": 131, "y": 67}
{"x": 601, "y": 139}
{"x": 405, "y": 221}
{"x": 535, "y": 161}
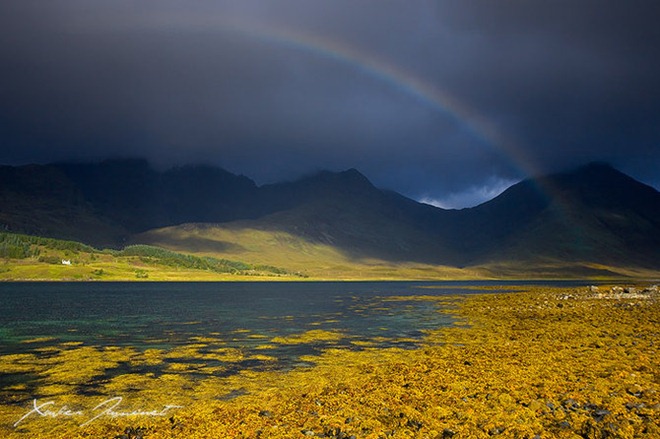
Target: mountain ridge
{"x": 590, "y": 215}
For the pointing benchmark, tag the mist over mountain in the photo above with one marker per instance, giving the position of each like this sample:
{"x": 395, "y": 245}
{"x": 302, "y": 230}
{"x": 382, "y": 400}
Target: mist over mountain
{"x": 593, "y": 214}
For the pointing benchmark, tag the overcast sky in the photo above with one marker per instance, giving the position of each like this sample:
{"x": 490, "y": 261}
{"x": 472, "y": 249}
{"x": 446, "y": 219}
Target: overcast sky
{"x": 444, "y": 101}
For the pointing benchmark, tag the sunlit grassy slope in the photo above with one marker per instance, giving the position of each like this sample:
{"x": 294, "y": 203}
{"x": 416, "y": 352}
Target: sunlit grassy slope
{"x": 315, "y": 260}
{"x": 238, "y": 252}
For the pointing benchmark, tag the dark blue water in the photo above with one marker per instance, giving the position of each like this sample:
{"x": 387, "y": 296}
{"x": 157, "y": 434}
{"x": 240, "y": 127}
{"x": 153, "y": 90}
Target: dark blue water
{"x": 247, "y": 316}
{"x": 168, "y": 314}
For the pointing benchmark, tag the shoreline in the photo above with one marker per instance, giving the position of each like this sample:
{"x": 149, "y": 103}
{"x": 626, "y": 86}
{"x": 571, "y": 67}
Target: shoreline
{"x": 538, "y": 362}
{"x": 293, "y": 279}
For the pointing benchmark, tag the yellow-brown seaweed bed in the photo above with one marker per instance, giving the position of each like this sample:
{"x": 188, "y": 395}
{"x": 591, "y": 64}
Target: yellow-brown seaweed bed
{"x": 534, "y": 363}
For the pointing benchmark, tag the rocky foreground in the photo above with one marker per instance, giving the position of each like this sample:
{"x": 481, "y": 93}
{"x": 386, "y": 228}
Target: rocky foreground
{"x": 534, "y": 363}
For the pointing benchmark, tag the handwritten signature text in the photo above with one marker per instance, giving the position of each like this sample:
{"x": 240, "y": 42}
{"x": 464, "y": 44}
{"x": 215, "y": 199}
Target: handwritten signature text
{"x": 108, "y": 409}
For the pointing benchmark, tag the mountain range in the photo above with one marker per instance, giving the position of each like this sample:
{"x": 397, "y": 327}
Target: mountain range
{"x": 593, "y": 217}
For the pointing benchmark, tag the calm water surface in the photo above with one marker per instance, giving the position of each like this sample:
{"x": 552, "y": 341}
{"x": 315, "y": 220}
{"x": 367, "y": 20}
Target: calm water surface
{"x": 167, "y": 314}
{"x": 241, "y": 315}
{"x": 144, "y": 314}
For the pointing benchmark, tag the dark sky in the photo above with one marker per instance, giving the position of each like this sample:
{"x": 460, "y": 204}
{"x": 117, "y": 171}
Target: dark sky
{"x": 444, "y": 101}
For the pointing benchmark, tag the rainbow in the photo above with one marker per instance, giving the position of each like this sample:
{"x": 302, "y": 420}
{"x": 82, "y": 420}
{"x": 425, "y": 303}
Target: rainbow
{"x": 394, "y": 76}
{"x": 410, "y": 84}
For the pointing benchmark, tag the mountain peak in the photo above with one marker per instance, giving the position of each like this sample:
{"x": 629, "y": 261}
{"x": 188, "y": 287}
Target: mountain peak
{"x": 595, "y": 170}
{"x": 350, "y": 173}
{"x": 353, "y": 176}
{"x": 350, "y": 179}
{"x": 597, "y": 177}
{"x": 596, "y": 183}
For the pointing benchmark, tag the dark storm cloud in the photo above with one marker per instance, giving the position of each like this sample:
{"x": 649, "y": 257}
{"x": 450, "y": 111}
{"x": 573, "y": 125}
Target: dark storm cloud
{"x": 254, "y": 86}
{"x": 579, "y": 77}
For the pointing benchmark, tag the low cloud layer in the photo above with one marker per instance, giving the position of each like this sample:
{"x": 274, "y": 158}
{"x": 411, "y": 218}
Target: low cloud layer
{"x": 429, "y": 98}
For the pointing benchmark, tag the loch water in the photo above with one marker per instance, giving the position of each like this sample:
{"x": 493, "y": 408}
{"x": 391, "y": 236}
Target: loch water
{"x": 237, "y": 315}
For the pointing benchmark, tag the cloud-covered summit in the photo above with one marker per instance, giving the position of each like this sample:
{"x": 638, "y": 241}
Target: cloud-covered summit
{"x": 276, "y": 89}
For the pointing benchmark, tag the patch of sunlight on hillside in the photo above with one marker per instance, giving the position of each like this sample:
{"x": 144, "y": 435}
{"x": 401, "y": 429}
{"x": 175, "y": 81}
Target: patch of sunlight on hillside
{"x": 316, "y": 260}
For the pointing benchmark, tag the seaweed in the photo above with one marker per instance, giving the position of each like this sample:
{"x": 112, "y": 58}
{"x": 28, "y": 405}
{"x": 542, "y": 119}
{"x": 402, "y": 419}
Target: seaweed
{"x": 532, "y": 363}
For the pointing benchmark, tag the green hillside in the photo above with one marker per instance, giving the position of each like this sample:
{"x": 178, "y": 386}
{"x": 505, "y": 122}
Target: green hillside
{"x": 24, "y": 257}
